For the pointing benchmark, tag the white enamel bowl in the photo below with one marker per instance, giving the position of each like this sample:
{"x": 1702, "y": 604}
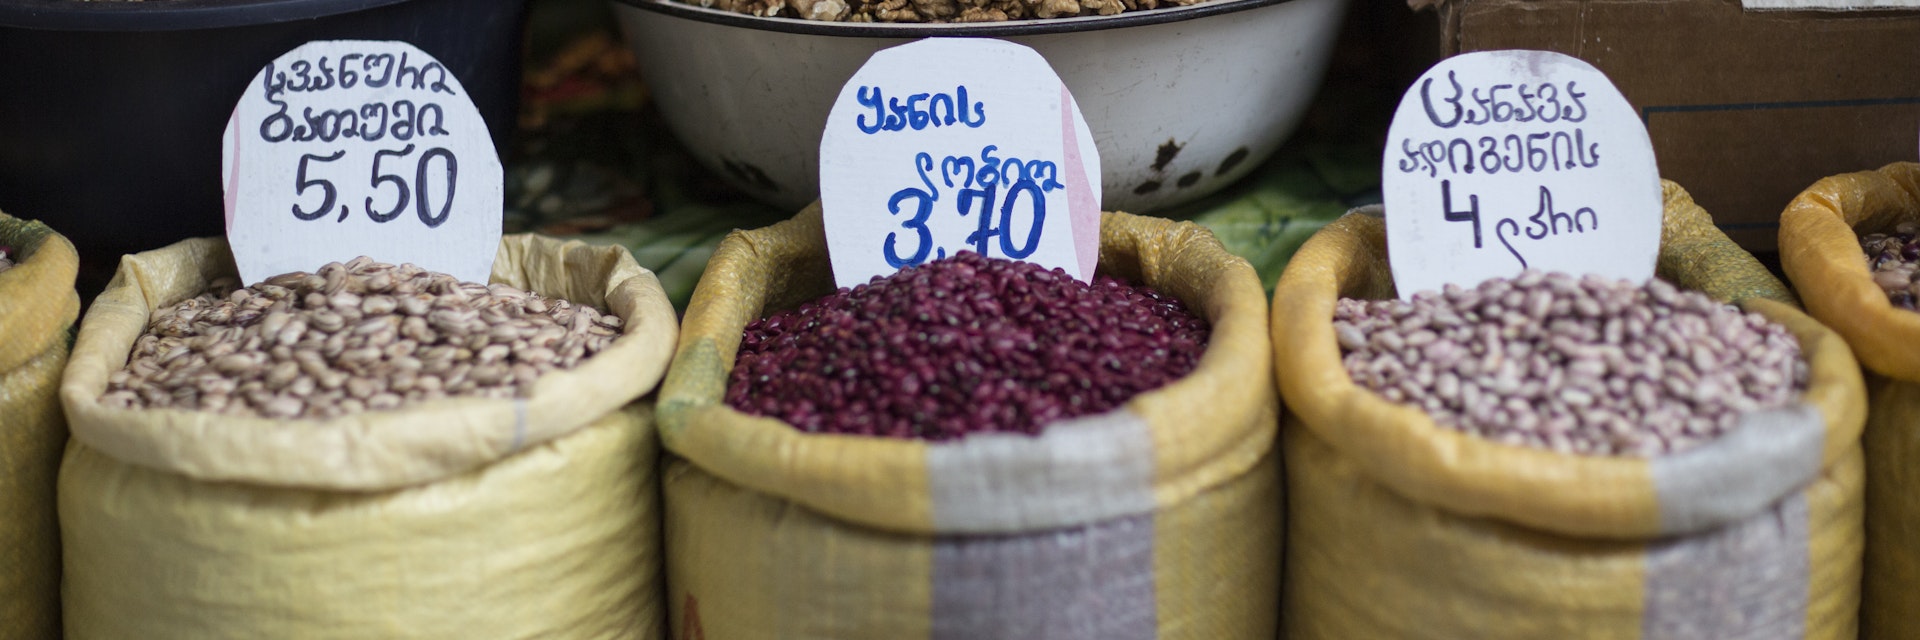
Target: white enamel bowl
{"x": 1181, "y": 101}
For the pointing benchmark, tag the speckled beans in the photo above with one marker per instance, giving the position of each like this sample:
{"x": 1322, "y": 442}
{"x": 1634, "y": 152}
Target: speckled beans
{"x": 1580, "y": 365}
{"x": 934, "y": 11}
{"x": 351, "y": 338}
{"x": 961, "y": 345}
{"x": 1895, "y": 261}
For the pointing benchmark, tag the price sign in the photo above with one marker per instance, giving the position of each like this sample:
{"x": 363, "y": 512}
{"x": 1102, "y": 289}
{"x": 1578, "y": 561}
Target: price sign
{"x": 958, "y": 144}
{"x": 347, "y": 148}
{"x": 1499, "y": 161}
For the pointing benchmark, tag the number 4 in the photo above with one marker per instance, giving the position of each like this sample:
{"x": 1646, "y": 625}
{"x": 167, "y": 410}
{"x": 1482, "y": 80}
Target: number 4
{"x": 1472, "y": 214}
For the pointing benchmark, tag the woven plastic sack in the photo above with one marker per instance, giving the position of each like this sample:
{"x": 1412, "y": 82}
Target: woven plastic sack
{"x": 1820, "y": 249}
{"x": 457, "y": 518}
{"x": 37, "y": 308}
{"x": 1398, "y": 528}
{"x": 1160, "y": 519}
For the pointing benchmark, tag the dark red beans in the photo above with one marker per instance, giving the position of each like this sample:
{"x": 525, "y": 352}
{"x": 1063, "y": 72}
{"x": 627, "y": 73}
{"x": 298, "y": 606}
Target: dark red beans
{"x": 962, "y": 345}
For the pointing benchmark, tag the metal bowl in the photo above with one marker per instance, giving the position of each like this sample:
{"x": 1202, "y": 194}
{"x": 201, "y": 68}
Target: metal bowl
{"x": 1181, "y": 101}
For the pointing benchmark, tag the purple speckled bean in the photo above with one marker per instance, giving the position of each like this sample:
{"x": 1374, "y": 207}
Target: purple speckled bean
{"x": 1894, "y": 259}
{"x": 961, "y": 345}
{"x": 1582, "y": 365}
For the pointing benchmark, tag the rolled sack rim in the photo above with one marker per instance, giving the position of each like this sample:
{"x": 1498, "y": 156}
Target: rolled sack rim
{"x": 41, "y": 303}
{"x": 1134, "y": 459}
{"x": 1730, "y": 478}
{"x": 375, "y": 450}
{"x": 1820, "y": 251}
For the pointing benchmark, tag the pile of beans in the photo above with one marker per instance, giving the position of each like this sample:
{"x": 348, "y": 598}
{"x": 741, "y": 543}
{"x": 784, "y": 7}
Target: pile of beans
{"x": 1579, "y": 365}
{"x": 961, "y": 345}
{"x": 351, "y": 338}
{"x": 1895, "y": 261}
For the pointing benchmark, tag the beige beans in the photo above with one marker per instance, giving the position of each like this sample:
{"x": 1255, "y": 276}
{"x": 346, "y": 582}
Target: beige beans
{"x": 360, "y": 336}
{"x": 1580, "y": 365}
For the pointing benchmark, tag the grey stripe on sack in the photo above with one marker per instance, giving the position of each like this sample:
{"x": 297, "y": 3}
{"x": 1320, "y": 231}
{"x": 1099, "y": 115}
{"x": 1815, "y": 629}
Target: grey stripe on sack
{"x": 1744, "y": 581}
{"x": 1076, "y": 471}
{"x": 1767, "y": 455}
{"x": 1087, "y": 583}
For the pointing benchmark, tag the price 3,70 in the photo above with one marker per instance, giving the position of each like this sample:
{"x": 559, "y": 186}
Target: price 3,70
{"x": 434, "y": 171}
{"x": 988, "y": 185}
{"x": 1545, "y": 222}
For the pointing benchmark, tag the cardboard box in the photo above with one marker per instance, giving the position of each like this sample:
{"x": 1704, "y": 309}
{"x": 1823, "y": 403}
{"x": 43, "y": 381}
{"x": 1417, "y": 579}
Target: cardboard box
{"x": 1745, "y": 108}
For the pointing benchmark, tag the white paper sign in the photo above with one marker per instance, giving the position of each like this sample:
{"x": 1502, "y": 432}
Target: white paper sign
{"x": 346, "y": 148}
{"x": 1503, "y": 160}
{"x": 951, "y": 144}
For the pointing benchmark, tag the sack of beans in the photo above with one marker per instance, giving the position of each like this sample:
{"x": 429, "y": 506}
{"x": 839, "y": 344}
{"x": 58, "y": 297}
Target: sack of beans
{"x": 1849, "y": 245}
{"x": 366, "y": 451}
{"x": 1549, "y": 456}
{"x": 973, "y": 447}
{"x": 37, "y": 308}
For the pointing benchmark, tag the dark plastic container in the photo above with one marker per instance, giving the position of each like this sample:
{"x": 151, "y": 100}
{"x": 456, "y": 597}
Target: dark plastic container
{"x": 111, "y": 112}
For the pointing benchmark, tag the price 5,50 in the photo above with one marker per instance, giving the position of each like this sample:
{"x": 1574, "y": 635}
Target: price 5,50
{"x": 435, "y": 165}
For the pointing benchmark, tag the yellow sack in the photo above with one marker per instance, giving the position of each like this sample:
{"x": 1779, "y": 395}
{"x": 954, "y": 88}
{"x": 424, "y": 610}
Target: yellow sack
{"x": 37, "y": 308}
{"x": 1820, "y": 248}
{"x": 459, "y": 518}
{"x": 1398, "y": 528}
{"x": 1157, "y": 520}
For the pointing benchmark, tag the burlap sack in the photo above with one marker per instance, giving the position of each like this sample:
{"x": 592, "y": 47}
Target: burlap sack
{"x": 459, "y": 518}
{"x": 37, "y": 308}
{"x": 1820, "y": 249}
{"x": 1157, "y": 520}
{"x": 1398, "y": 528}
